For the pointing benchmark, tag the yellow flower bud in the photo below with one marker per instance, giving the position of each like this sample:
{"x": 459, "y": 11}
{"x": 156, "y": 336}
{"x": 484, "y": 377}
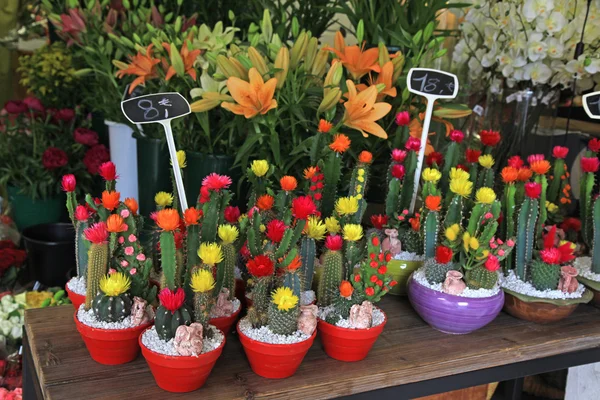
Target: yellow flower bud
{"x": 282, "y": 65}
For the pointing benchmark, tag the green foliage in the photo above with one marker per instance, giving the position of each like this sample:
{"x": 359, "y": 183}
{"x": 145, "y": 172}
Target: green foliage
{"x": 167, "y": 322}
{"x": 97, "y": 268}
{"x": 481, "y": 278}
{"x": 112, "y": 308}
{"x": 333, "y": 274}
{"x": 283, "y": 322}
{"x": 544, "y": 276}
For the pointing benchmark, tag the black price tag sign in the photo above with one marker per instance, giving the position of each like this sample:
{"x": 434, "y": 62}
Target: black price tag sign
{"x": 157, "y": 107}
{"x": 591, "y": 104}
{"x": 432, "y": 83}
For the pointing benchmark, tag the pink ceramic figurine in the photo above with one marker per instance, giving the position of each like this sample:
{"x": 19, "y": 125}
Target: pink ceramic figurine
{"x": 307, "y": 321}
{"x": 188, "y": 340}
{"x": 361, "y": 316}
{"x": 453, "y": 283}
{"x": 139, "y": 316}
{"x": 391, "y": 242}
{"x": 568, "y": 281}
{"x": 224, "y": 306}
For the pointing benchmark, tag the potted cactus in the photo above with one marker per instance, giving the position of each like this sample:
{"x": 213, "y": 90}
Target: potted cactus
{"x": 349, "y": 323}
{"x": 457, "y": 290}
{"x": 540, "y": 283}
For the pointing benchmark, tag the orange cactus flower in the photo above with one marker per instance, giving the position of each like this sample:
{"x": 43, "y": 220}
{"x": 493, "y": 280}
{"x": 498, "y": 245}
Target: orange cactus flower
{"x": 110, "y": 200}
{"x": 324, "y": 126}
{"x": 265, "y": 202}
{"x": 144, "y": 66}
{"x": 132, "y": 204}
{"x": 356, "y": 60}
{"x": 385, "y": 78}
{"x": 115, "y": 224}
{"x": 340, "y": 143}
{"x": 362, "y": 111}
{"x": 252, "y": 97}
{"x": 288, "y": 183}
{"x": 540, "y": 167}
{"x": 295, "y": 264}
{"x": 188, "y": 57}
{"x": 509, "y": 174}
{"x": 524, "y": 174}
{"x": 346, "y": 289}
{"x": 433, "y": 203}
{"x": 191, "y": 216}
{"x": 415, "y": 223}
{"x": 167, "y": 219}
{"x": 365, "y": 157}
{"x": 310, "y": 172}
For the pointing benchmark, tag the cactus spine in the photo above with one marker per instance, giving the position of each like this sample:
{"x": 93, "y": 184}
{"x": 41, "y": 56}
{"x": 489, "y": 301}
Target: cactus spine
{"x": 333, "y": 274}
{"x": 596, "y": 244}
{"x": 544, "y": 276}
{"x": 450, "y": 161}
{"x": 226, "y": 270}
{"x": 293, "y": 280}
{"x": 260, "y": 301}
{"x": 480, "y": 278}
{"x": 430, "y": 233}
{"x": 541, "y": 179}
{"x": 283, "y": 322}
{"x": 585, "y": 206}
{"x": 435, "y": 272}
{"x": 97, "y": 268}
{"x": 167, "y": 322}
{"x": 202, "y": 306}
{"x": 509, "y": 212}
{"x": 525, "y": 236}
{"x": 332, "y": 170}
{"x": 168, "y": 260}
{"x": 81, "y": 248}
{"x": 112, "y": 308}
{"x": 307, "y": 255}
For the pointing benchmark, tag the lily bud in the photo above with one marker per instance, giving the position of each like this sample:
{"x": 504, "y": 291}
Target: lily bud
{"x": 330, "y": 100}
{"x": 456, "y": 111}
{"x": 298, "y": 49}
{"x": 257, "y": 61}
{"x": 227, "y": 67}
{"x": 176, "y": 60}
{"x": 398, "y": 62}
{"x": 384, "y": 56}
{"x": 334, "y": 76}
{"x": 216, "y": 96}
{"x": 320, "y": 63}
{"x": 241, "y": 70}
{"x": 311, "y": 53}
{"x": 204, "y": 105}
{"x": 282, "y": 65}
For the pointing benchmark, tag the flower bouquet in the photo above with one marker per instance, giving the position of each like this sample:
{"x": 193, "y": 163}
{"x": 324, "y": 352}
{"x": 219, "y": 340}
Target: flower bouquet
{"x": 11, "y": 260}
{"x": 540, "y": 283}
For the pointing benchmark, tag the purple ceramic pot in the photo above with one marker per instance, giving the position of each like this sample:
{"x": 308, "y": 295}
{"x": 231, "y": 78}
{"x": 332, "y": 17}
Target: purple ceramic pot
{"x": 453, "y": 314}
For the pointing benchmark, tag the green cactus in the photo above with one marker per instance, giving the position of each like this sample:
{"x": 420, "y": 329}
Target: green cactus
{"x": 257, "y": 314}
{"x": 541, "y": 179}
{"x": 168, "y": 260}
{"x": 585, "y": 207}
{"x": 392, "y": 200}
{"x": 112, "y": 308}
{"x": 290, "y": 238}
{"x": 556, "y": 183}
{"x": 596, "y": 243}
{"x": 293, "y": 280}
{"x": 544, "y": 276}
{"x": 481, "y": 278}
{"x": 203, "y": 303}
{"x": 435, "y": 272}
{"x": 283, "y": 322}
{"x": 226, "y": 270}
{"x": 333, "y": 274}
{"x": 454, "y": 213}
{"x": 332, "y": 171}
{"x": 451, "y": 157}
{"x": 409, "y": 181}
{"x": 81, "y": 248}
{"x": 430, "y": 233}
{"x": 412, "y": 241}
{"x": 167, "y": 322}
{"x": 525, "y": 236}
{"x": 509, "y": 218}
{"x": 211, "y": 217}
{"x": 308, "y": 254}
{"x": 358, "y": 188}
{"x": 352, "y": 256}
{"x": 97, "y": 268}
{"x": 253, "y": 235}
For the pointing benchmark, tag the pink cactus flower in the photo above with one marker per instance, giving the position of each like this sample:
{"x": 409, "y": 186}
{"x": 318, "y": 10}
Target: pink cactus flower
{"x": 141, "y": 257}
{"x": 132, "y": 238}
{"x": 124, "y": 263}
{"x": 121, "y": 240}
{"x": 129, "y": 250}
{"x": 112, "y": 271}
{"x": 124, "y": 213}
{"x": 132, "y": 271}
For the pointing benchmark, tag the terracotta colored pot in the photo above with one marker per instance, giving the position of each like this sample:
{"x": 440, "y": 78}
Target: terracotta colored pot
{"x": 536, "y": 311}
{"x": 274, "y": 361}
{"x": 400, "y": 271}
{"x": 180, "y": 374}
{"x": 453, "y": 314}
{"x": 346, "y": 344}
{"x": 75, "y": 298}
{"x": 111, "y": 346}
{"x": 225, "y": 323}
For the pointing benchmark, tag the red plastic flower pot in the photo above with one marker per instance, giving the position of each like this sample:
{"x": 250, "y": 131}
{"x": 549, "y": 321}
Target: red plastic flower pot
{"x": 75, "y": 298}
{"x": 180, "y": 374}
{"x": 111, "y": 346}
{"x": 225, "y": 323}
{"x": 346, "y": 344}
{"x": 275, "y": 361}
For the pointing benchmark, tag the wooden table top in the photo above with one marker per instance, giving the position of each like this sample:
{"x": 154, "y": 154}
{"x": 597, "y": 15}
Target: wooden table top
{"x": 408, "y": 351}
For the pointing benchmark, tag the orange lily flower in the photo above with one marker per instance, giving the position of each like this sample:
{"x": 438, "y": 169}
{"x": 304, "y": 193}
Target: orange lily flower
{"x": 357, "y": 61}
{"x": 188, "y": 57}
{"x": 144, "y": 66}
{"x": 362, "y": 111}
{"x": 385, "y": 78}
{"x": 251, "y": 97}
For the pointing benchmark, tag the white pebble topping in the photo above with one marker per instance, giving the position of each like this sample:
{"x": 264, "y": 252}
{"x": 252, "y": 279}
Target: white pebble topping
{"x": 419, "y": 276}
{"x": 408, "y": 256}
{"x": 77, "y": 284}
{"x": 88, "y": 318}
{"x": 265, "y": 335}
{"x": 512, "y": 282}
{"x": 584, "y": 266}
{"x": 378, "y": 317}
{"x": 307, "y": 297}
{"x": 152, "y": 341}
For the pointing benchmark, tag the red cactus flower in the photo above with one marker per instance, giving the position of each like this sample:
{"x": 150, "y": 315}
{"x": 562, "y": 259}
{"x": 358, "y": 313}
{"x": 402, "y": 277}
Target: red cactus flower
{"x": 594, "y": 145}
{"x": 492, "y": 263}
{"x": 398, "y": 171}
{"x": 399, "y": 155}
{"x": 108, "y": 171}
{"x": 96, "y": 233}
{"x": 402, "y": 118}
{"x": 533, "y": 190}
{"x": 434, "y": 157}
{"x": 516, "y": 162}
{"x": 443, "y": 254}
{"x": 334, "y": 242}
{"x": 571, "y": 224}
{"x": 590, "y": 164}
{"x": 472, "y": 155}
{"x": 216, "y": 182}
{"x": 260, "y": 266}
{"x": 303, "y": 207}
{"x": 457, "y": 136}
{"x": 379, "y": 220}
{"x": 560, "y": 152}
{"x": 413, "y": 144}
{"x": 170, "y": 300}
{"x": 276, "y": 230}
{"x": 550, "y": 256}
{"x": 231, "y": 214}
{"x": 81, "y": 213}
{"x": 69, "y": 183}
{"x": 204, "y": 195}
{"x": 369, "y": 291}
{"x": 489, "y": 138}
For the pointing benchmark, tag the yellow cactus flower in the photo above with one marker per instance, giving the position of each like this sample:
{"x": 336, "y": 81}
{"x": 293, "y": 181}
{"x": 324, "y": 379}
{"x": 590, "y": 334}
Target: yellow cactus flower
{"x": 284, "y": 298}
{"x": 460, "y": 174}
{"x": 202, "y": 281}
{"x": 115, "y": 284}
{"x": 163, "y": 199}
{"x": 315, "y": 228}
{"x": 181, "y": 160}
{"x": 228, "y": 233}
{"x": 470, "y": 242}
{"x": 260, "y": 167}
{"x": 551, "y": 207}
{"x": 484, "y": 255}
{"x": 210, "y": 253}
{"x": 352, "y": 232}
{"x": 486, "y": 161}
{"x": 332, "y": 225}
{"x": 346, "y": 205}
{"x": 431, "y": 175}
{"x": 452, "y": 232}
{"x": 461, "y": 187}
{"x": 485, "y": 195}
{"x": 571, "y": 244}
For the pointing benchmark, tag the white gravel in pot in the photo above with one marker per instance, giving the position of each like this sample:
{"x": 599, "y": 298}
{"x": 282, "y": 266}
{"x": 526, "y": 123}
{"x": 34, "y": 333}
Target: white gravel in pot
{"x": 307, "y": 297}
{"x": 152, "y": 341}
{"x": 584, "y": 267}
{"x": 265, "y": 335}
{"x": 408, "y": 256}
{"x": 419, "y": 276}
{"x": 512, "y": 282}
{"x": 88, "y": 318}
{"x": 236, "y": 307}
{"x": 378, "y": 317}
{"x": 78, "y": 285}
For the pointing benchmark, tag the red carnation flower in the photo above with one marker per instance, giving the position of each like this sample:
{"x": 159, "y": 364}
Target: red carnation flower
{"x": 489, "y": 138}
{"x": 472, "y": 155}
{"x": 303, "y": 207}
{"x": 402, "y": 118}
{"x": 398, "y": 155}
{"x": 275, "y": 230}
{"x": 34, "y": 104}
{"x": 15, "y": 107}
{"x": 334, "y": 242}
{"x": 94, "y": 157}
{"x": 443, "y": 254}
{"x": 590, "y": 164}
{"x": 108, "y": 171}
{"x": 69, "y": 183}
{"x": 457, "y": 136}
{"x": 533, "y": 190}
{"x": 260, "y": 266}
{"x": 434, "y": 157}
{"x": 63, "y": 115}
{"x": 232, "y": 214}
{"x": 515, "y": 162}
{"x": 398, "y": 171}
{"x": 594, "y": 145}
{"x": 96, "y": 233}
{"x": 379, "y": 220}
{"x": 550, "y": 256}
{"x": 170, "y": 300}
{"x": 85, "y": 136}
{"x": 54, "y": 158}
{"x": 571, "y": 224}
{"x": 216, "y": 182}
{"x": 560, "y": 152}
{"x": 413, "y": 144}
{"x": 81, "y": 213}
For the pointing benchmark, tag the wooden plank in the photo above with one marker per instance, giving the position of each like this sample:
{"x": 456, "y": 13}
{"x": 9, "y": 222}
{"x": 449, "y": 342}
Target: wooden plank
{"x": 408, "y": 351}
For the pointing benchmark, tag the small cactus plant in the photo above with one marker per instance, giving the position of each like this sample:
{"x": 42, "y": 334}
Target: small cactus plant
{"x": 113, "y": 303}
{"x": 283, "y": 311}
{"x": 203, "y": 284}
{"x": 333, "y": 270}
{"x": 437, "y": 267}
{"x": 171, "y": 313}
{"x": 97, "y": 260}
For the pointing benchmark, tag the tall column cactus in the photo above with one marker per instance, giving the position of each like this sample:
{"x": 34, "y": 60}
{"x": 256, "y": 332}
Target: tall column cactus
{"x": 526, "y": 225}
{"x": 509, "y": 218}
{"x": 203, "y": 285}
{"x": 431, "y": 225}
{"x": 333, "y": 270}
{"x": 331, "y": 166}
{"x": 226, "y": 268}
{"x": 589, "y": 166}
{"x": 315, "y": 230}
{"x": 358, "y": 184}
{"x": 596, "y": 243}
{"x": 97, "y": 260}
{"x": 353, "y": 247}
{"x": 214, "y": 199}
